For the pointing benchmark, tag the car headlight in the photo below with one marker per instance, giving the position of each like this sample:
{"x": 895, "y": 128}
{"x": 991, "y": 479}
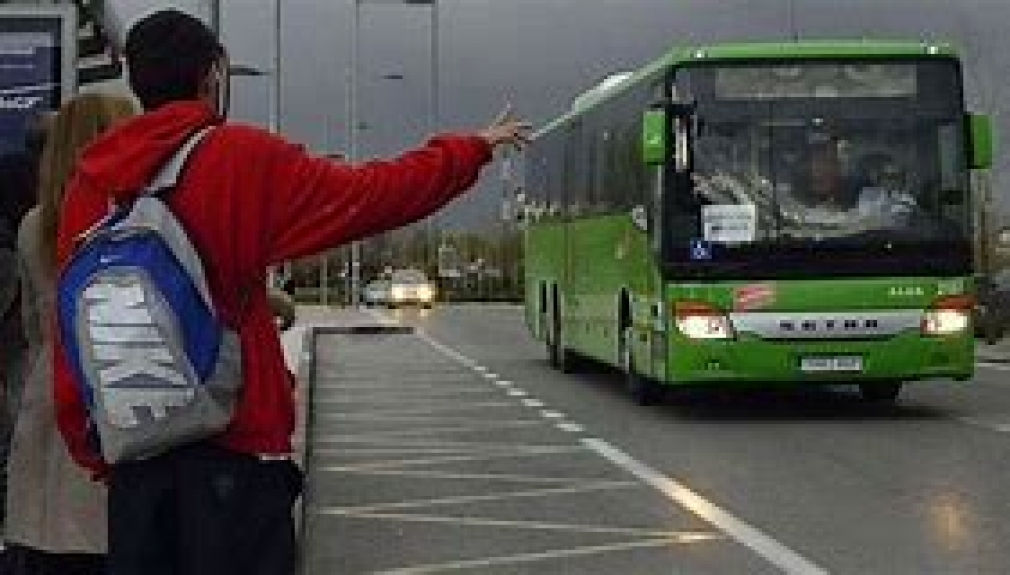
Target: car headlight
{"x": 399, "y": 292}
{"x": 426, "y": 293}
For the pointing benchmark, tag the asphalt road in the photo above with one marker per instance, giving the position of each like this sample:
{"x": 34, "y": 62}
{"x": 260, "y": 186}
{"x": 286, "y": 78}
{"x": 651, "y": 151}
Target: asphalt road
{"x": 458, "y": 449}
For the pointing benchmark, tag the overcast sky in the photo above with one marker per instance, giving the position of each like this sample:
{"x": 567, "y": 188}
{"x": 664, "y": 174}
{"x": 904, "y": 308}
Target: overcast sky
{"x": 539, "y": 54}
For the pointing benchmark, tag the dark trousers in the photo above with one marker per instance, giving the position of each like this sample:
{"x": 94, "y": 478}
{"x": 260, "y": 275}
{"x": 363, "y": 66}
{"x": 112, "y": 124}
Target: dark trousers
{"x": 203, "y": 510}
{"x": 19, "y": 560}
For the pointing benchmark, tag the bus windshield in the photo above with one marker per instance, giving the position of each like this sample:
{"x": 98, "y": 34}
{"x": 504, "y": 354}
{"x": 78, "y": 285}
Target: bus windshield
{"x": 822, "y": 168}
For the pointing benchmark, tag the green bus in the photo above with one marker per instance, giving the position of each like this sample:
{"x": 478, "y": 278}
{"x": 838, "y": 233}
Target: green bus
{"x": 793, "y": 213}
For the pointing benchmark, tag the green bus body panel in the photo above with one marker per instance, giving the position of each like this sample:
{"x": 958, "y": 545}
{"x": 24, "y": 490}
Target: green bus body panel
{"x": 829, "y": 295}
{"x": 545, "y": 261}
{"x": 614, "y": 258}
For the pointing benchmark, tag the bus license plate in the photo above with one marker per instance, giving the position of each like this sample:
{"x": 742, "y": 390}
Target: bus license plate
{"x": 832, "y": 364}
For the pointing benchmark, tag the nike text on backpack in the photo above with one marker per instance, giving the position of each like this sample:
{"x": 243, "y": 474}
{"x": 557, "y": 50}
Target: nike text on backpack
{"x": 155, "y": 365}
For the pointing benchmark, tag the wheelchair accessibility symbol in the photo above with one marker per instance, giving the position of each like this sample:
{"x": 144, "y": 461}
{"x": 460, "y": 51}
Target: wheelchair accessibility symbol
{"x": 701, "y": 250}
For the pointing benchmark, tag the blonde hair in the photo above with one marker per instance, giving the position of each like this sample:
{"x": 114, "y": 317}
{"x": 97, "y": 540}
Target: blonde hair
{"x": 77, "y": 123}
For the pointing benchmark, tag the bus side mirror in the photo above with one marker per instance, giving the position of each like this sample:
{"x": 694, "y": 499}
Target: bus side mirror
{"x": 980, "y": 127}
{"x": 654, "y": 142}
{"x": 658, "y": 122}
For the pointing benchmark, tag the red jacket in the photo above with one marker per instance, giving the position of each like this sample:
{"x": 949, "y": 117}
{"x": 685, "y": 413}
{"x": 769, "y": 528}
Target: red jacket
{"x": 250, "y": 200}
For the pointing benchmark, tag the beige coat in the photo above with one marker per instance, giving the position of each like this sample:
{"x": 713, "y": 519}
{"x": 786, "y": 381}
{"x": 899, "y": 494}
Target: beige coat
{"x": 52, "y": 504}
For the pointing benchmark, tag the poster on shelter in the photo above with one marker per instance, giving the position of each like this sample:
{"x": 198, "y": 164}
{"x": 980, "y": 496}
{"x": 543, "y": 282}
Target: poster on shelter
{"x": 30, "y": 74}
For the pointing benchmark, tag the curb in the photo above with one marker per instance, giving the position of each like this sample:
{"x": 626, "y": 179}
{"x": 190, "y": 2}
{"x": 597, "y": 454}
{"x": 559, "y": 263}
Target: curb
{"x": 304, "y": 379}
{"x": 992, "y": 358}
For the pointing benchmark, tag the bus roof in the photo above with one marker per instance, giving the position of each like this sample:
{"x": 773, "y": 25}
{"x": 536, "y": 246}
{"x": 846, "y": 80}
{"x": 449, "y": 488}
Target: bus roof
{"x": 805, "y": 49}
{"x": 811, "y": 49}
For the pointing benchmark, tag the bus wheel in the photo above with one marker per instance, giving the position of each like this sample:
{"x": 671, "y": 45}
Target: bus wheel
{"x": 643, "y": 390}
{"x": 560, "y": 358}
{"x": 553, "y": 351}
{"x": 992, "y": 333}
{"x": 882, "y": 393}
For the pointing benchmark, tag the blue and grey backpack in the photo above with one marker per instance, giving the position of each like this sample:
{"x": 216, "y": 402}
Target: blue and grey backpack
{"x": 155, "y": 365}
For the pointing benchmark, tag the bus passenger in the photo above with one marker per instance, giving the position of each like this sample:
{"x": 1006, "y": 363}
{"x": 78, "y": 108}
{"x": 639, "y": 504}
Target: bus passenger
{"x": 826, "y": 185}
{"x": 886, "y": 196}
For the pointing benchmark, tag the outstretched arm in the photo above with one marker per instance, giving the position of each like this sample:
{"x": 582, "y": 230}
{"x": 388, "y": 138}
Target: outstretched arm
{"x": 320, "y": 203}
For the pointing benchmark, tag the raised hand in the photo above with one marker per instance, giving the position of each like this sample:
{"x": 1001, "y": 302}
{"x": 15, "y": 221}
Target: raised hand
{"x": 507, "y": 129}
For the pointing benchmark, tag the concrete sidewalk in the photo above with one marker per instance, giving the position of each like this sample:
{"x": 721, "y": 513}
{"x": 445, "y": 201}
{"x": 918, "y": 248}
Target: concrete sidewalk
{"x": 297, "y": 344}
{"x": 310, "y": 317}
{"x": 996, "y": 353}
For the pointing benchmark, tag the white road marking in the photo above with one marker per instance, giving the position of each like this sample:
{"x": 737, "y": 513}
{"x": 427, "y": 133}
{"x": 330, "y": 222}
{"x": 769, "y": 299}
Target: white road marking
{"x": 552, "y": 414}
{"x": 428, "y": 410}
{"x": 460, "y": 358}
{"x": 996, "y": 366}
{"x": 436, "y": 430}
{"x": 523, "y": 558}
{"x": 764, "y": 545}
{"x": 586, "y": 487}
{"x": 402, "y": 463}
{"x": 407, "y": 449}
{"x": 490, "y": 522}
{"x": 528, "y": 402}
{"x": 408, "y": 418}
{"x": 428, "y": 474}
{"x": 998, "y": 426}
{"x": 380, "y": 317}
{"x": 439, "y": 385}
{"x": 425, "y": 442}
{"x": 405, "y": 397}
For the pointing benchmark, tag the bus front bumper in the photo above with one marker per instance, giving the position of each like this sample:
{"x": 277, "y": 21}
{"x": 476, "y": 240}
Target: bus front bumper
{"x": 906, "y": 357}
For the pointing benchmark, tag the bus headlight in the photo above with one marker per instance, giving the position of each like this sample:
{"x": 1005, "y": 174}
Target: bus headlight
{"x": 949, "y": 315}
{"x": 698, "y": 320}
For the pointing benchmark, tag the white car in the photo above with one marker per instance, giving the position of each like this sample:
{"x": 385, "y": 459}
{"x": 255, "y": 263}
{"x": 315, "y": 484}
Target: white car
{"x": 410, "y": 286}
{"x": 376, "y": 292}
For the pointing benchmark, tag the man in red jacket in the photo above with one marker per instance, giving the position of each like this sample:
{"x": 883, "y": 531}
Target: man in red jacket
{"x": 250, "y": 200}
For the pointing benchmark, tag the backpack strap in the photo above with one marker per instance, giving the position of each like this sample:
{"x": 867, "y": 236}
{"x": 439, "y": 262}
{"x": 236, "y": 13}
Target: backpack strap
{"x": 168, "y": 176}
{"x": 150, "y": 210}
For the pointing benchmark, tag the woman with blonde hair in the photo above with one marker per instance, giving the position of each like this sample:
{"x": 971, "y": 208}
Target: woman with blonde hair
{"x": 56, "y": 520}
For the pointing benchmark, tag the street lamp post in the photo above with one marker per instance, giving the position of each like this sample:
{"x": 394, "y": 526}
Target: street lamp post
{"x": 352, "y": 138}
{"x": 324, "y": 265}
{"x": 215, "y": 17}
{"x": 433, "y": 111}
{"x": 352, "y": 107}
{"x": 274, "y": 112}
{"x": 274, "y": 119}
